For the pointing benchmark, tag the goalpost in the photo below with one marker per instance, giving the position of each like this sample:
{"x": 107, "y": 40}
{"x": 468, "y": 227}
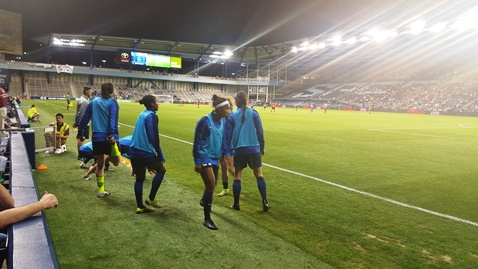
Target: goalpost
{"x": 164, "y": 98}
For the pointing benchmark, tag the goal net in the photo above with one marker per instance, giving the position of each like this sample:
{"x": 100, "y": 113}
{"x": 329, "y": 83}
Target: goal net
{"x": 164, "y": 98}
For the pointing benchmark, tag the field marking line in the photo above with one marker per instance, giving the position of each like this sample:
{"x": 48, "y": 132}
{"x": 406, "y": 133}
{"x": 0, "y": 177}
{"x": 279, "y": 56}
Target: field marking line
{"x": 348, "y": 188}
{"x": 424, "y": 135}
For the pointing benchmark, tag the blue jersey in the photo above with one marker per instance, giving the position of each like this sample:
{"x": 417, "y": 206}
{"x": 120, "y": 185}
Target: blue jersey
{"x": 103, "y": 114}
{"x": 244, "y": 137}
{"x": 145, "y": 140}
{"x": 208, "y": 135}
{"x": 87, "y": 147}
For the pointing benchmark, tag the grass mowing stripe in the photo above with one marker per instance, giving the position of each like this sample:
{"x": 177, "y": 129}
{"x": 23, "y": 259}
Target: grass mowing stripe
{"x": 425, "y": 135}
{"x": 352, "y": 189}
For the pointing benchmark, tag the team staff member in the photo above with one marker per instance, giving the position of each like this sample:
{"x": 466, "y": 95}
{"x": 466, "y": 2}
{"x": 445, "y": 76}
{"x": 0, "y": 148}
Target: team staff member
{"x": 33, "y": 113}
{"x": 81, "y": 106}
{"x": 103, "y": 112}
{"x": 207, "y": 149}
{"x": 146, "y": 153}
{"x": 245, "y": 137}
{"x": 61, "y": 135}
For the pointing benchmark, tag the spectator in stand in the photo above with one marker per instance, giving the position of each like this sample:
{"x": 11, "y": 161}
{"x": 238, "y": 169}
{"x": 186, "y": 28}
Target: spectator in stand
{"x": 103, "y": 112}
{"x": 32, "y": 114}
{"x": 3, "y": 111}
{"x": 81, "y": 106}
{"x": 62, "y": 132}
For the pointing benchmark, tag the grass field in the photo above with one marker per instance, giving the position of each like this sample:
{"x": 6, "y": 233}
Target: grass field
{"x": 346, "y": 190}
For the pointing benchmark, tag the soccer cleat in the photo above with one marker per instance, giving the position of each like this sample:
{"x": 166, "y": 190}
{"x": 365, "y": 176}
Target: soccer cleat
{"x": 236, "y": 207}
{"x": 154, "y": 203}
{"x": 86, "y": 177}
{"x": 58, "y": 151}
{"x": 209, "y": 224}
{"x": 223, "y": 192}
{"x": 265, "y": 205}
{"x": 143, "y": 210}
{"x": 82, "y": 165}
{"x": 102, "y": 194}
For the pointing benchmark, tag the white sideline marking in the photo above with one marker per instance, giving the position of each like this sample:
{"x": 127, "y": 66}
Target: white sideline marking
{"x": 348, "y": 188}
{"x": 425, "y": 135}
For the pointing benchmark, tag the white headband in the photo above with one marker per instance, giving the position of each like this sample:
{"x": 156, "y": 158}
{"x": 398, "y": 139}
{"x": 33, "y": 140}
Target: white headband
{"x": 225, "y": 103}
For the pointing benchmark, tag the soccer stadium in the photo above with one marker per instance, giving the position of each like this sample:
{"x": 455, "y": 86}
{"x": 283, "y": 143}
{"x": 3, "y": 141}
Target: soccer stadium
{"x": 369, "y": 121}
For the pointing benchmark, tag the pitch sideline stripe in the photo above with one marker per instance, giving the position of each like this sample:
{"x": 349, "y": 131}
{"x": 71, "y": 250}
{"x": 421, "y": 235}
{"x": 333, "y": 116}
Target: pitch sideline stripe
{"x": 349, "y": 188}
{"x": 425, "y": 135}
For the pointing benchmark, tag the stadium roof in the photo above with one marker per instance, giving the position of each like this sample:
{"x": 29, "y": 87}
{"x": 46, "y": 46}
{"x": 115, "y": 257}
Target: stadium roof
{"x": 204, "y": 52}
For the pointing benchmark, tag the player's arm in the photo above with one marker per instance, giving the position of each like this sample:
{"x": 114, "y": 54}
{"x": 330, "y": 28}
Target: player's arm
{"x": 226, "y": 140}
{"x": 259, "y": 130}
{"x": 114, "y": 110}
{"x": 153, "y": 134}
{"x": 200, "y": 133}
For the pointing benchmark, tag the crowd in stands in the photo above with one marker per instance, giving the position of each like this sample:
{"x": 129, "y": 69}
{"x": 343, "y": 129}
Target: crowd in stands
{"x": 424, "y": 96}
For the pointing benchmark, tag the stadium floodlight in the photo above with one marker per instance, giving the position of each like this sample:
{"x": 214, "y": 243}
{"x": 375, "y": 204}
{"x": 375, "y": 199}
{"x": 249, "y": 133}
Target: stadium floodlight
{"x": 221, "y": 55}
{"x": 417, "y": 27}
{"x": 351, "y": 41}
{"x": 336, "y": 40}
{"x": 304, "y": 44}
{"x": 438, "y": 27}
{"x": 377, "y": 35}
{"x": 467, "y": 21}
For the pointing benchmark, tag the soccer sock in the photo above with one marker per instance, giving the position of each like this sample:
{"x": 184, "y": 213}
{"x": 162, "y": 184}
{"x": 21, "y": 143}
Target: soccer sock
{"x": 225, "y": 184}
{"x": 207, "y": 199}
{"x": 157, "y": 180}
{"x": 114, "y": 150}
{"x": 138, "y": 191}
{"x": 261, "y": 185}
{"x": 100, "y": 181}
{"x": 236, "y": 190}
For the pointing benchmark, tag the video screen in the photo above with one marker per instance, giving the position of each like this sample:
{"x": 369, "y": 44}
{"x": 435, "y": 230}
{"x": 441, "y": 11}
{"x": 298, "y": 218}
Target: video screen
{"x": 176, "y": 62}
{"x": 155, "y": 60}
{"x": 138, "y": 58}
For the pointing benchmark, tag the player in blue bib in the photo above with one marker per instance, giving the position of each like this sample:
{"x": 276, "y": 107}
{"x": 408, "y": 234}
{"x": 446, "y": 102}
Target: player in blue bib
{"x": 207, "y": 149}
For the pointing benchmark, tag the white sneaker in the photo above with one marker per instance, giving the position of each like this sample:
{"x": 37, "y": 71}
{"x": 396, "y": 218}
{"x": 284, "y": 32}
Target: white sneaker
{"x": 58, "y": 151}
{"x": 86, "y": 177}
{"x": 82, "y": 165}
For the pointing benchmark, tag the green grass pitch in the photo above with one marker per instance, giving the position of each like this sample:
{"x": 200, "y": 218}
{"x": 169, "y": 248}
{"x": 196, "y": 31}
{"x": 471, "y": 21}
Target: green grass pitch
{"x": 346, "y": 189}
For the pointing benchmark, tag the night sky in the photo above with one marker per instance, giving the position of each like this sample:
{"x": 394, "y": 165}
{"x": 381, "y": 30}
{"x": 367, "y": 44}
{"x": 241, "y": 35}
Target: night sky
{"x": 226, "y": 22}
{"x": 230, "y": 22}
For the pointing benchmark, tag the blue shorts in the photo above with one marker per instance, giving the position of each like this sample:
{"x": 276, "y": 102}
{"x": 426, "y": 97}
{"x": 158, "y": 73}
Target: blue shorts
{"x": 253, "y": 160}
